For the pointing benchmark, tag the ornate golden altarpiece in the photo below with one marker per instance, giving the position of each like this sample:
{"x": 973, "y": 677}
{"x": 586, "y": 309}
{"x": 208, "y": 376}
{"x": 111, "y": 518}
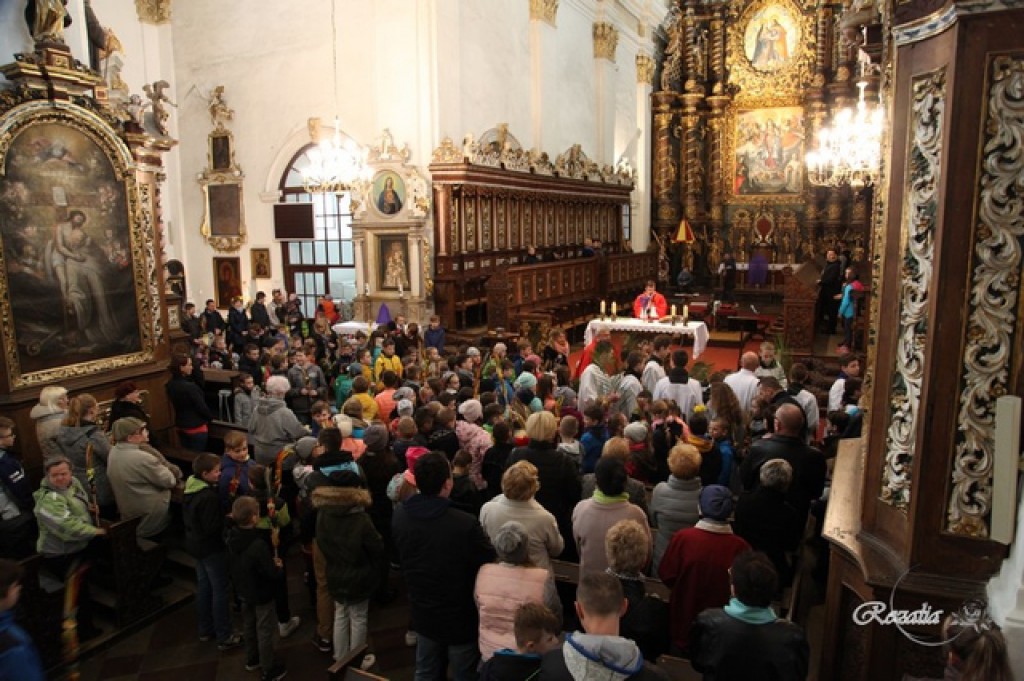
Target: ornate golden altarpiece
{"x": 742, "y": 90}
{"x": 82, "y": 293}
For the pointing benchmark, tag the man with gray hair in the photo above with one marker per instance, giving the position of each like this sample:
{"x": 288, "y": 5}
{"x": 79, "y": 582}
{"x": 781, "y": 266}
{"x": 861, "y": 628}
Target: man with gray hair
{"x": 273, "y": 425}
{"x": 744, "y": 382}
{"x": 767, "y": 521}
{"x": 787, "y": 443}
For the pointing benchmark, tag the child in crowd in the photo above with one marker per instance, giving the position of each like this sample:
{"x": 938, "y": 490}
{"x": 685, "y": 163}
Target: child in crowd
{"x": 568, "y": 428}
{"x": 669, "y": 428}
{"x": 388, "y": 361}
{"x": 250, "y": 361}
{"x": 366, "y": 362}
{"x": 495, "y": 459}
{"x": 443, "y": 437}
{"x": 204, "y": 541}
{"x": 19, "y": 658}
{"x": 640, "y": 465}
{"x": 361, "y": 393}
{"x": 275, "y": 524}
{"x": 464, "y": 493}
{"x": 320, "y": 414}
{"x": 407, "y": 437}
{"x": 722, "y": 456}
{"x": 235, "y": 469}
{"x": 255, "y": 570}
{"x": 433, "y": 337}
{"x": 385, "y": 397}
{"x": 536, "y": 630}
{"x": 594, "y": 437}
{"x": 246, "y": 394}
{"x": 493, "y": 413}
{"x": 354, "y": 555}
{"x": 343, "y": 384}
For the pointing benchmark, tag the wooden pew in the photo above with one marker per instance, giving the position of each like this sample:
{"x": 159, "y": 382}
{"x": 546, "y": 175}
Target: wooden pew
{"x": 126, "y": 571}
{"x": 678, "y": 669}
{"x": 41, "y": 612}
{"x": 570, "y": 574}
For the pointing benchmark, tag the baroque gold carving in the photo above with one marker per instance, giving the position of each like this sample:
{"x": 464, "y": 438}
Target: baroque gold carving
{"x": 644, "y": 69}
{"x": 153, "y": 11}
{"x": 766, "y": 65}
{"x": 606, "y": 39}
{"x": 544, "y": 10}
{"x": 993, "y": 329}
{"x": 447, "y": 152}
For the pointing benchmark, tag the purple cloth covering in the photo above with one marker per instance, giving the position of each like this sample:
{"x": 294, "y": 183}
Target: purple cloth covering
{"x": 757, "y": 275}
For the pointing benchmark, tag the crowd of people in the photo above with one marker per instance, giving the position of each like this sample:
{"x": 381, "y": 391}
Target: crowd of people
{"x": 469, "y": 471}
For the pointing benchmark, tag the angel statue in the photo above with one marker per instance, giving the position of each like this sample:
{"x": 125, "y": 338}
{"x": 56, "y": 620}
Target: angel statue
{"x": 219, "y": 110}
{"x": 157, "y": 97}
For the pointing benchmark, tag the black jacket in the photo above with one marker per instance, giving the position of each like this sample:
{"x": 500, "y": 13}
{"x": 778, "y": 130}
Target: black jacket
{"x": 15, "y": 482}
{"x": 204, "y": 519}
{"x": 259, "y": 315}
{"x": 727, "y": 649}
{"x": 190, "y": 409}
{"x": 808, "y": 464}
{"x": 120, "y": 409}
{"x": 646, "y": 621}
{"x": 252, "y": 565}
{"x": 770, "y": 524}
{"x": 440, "y": 550}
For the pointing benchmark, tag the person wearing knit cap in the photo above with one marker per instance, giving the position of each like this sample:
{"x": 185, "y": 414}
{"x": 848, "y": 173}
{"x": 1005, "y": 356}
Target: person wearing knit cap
{"x": 473, "y": 439}
{"x": 376, "y": 438}
{"x": 641, "y": 464}
{"x": 697, "y": 561}
{"x": 503, "y": 586}
{"x": 141, "y": 477}
{"x": 127, "y": 402}
{"x": 405, "y": 408}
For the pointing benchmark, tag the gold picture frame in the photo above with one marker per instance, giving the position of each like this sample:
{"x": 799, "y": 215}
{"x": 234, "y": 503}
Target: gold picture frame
{"x": 92, "y": 303}
{"x": 766, "y": 75}
{"x": 223, "y": 224}
{"x": 261, "y": 268}
{"x": 764, "y": 150}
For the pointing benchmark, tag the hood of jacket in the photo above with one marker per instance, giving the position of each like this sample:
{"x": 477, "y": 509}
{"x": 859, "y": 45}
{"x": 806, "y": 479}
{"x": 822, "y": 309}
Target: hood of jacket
{"x": 601, "y": 658}
{"x": 342, "y": 498}
{"x": 40, "y": 411}
{"x": 72, "y": 437}
{"x": 425, "y": 507}
{"x": 268, "y": 405}
{"x": 195, "y": 485}
{"x": 45, "y": 488}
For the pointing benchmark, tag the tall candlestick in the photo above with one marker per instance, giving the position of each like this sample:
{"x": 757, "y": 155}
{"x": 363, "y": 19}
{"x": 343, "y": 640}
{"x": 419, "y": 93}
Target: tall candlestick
{"x": 673, "y": 310}
{"x": 614, "y": 308}
{"x": 686, "y": 312}
{"x": 602, "y": 308}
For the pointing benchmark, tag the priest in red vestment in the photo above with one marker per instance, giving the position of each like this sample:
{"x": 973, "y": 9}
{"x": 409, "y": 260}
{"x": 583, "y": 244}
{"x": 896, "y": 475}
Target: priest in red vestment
{"x": 650, "y": 303}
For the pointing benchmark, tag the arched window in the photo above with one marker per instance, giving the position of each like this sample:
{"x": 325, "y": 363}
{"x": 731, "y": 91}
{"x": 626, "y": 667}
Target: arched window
{"x": 326, "y": 264}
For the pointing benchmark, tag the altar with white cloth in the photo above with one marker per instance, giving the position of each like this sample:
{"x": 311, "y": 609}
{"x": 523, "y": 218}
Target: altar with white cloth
{"x": 352, "y": 327}
{"x": 698, "y": 330}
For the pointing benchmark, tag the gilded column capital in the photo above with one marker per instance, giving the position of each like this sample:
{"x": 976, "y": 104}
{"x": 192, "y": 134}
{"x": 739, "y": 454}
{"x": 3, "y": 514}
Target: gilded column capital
{"x": 544, "y": 10}
{"x": 153, "y": 11}
{"x": 644, "y": 69}
{"x": 606, "y": 39}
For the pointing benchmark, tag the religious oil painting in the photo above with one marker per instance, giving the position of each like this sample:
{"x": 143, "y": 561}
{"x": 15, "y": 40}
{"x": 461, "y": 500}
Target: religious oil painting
{"x": 227, "y": 274}
{"x": 769, "y": 152}
{"x": 71, "y": 279}
{"x": 261, "y": 263}
{"x": 388, "y": 193}
{"x": 771, "y": 38}
{"x": 393, "y": 263}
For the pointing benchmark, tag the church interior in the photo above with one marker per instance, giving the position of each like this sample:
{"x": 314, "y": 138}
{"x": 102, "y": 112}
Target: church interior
{"x": 840, "y": 179}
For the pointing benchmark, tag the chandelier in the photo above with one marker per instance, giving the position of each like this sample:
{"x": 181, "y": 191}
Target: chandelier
{"x": 849, "y": 151}
{"x": 333, "y": 165}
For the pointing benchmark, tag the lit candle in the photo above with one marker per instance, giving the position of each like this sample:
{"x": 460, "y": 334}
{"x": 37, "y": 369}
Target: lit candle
{"x": 602, "y": 308}
{"x": 686, "y": 311}
{"x": 614, "y": 308}
{"x": 673, "y": 310}
{"x": 366, "y": 288}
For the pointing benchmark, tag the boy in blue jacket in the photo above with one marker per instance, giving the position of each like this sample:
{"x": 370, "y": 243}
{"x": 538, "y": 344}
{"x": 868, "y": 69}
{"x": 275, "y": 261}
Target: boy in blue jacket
{"x": 19, "y": 660}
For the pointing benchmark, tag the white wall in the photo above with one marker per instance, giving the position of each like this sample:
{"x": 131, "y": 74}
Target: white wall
{"x": 424, "y": 70}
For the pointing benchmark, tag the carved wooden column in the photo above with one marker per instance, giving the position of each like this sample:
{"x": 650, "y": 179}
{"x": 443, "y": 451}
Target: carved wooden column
{"x": 948, "y": 329}
{"x": 665, "y": 165}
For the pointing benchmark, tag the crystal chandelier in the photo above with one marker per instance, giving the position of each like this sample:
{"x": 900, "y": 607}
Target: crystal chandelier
{"x": 849, "y": 151}
{"x": 334, "y": 165}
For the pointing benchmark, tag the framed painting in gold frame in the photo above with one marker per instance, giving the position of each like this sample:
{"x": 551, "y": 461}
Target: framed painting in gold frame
{"x": 764, "y": 150}
{"x": 77, "y": 293}
{"x": 260, "y": 263}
